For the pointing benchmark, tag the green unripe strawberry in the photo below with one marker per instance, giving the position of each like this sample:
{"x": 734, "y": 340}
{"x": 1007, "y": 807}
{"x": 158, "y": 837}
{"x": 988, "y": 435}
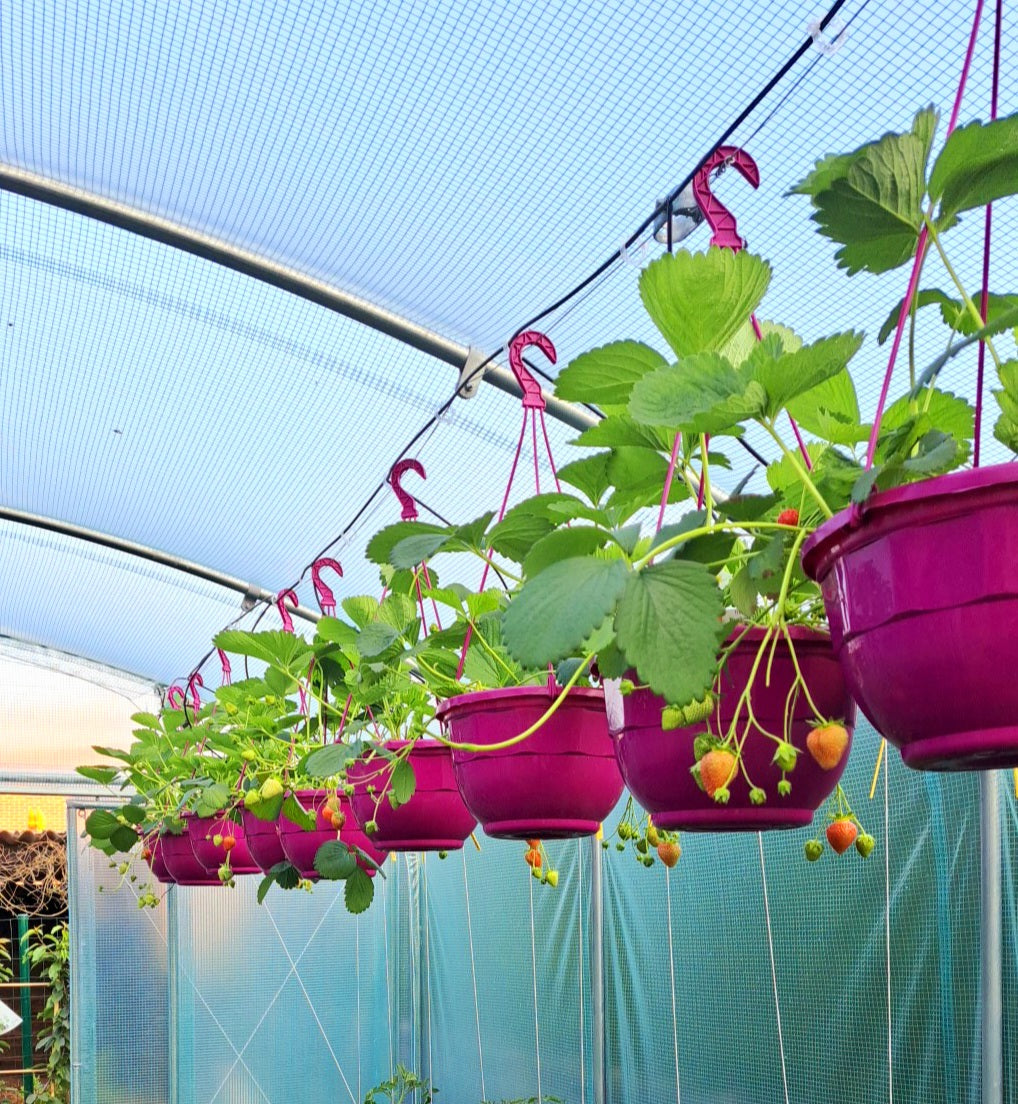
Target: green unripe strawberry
{"x": 698, "y": 711}
{"x": 757, "y": 796}
{"x": 552, "y": 878}
{"x": 626, "y": 687}
{"x": 249, "y": 755}
{"x": 672, "y": 717}
{"x": 271, "y": 788}
{"x": 865, "y": 844}
{"x": 814, "y": 849}
{"x": 443, "y": 854}
{"x": 722, "y": 794}
{"x": 217, "y": 840}
{"x": 784, "y": 787}
{"x": 371, "y": 827}
{"x": 653, "y": 836}
{"x": 251, "y": 799}
{"x": 785, "y": 756}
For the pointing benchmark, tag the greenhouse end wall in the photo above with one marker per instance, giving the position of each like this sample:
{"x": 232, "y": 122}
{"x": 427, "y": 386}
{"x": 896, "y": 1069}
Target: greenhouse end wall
{"x": 745, "y": 975}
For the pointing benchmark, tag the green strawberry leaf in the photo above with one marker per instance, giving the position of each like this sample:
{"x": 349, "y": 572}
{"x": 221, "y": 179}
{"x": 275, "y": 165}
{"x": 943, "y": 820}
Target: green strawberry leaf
{"x": 978, "y": 165}
{"x": 358, "y": 892}
{"x": 562, "y": 544}
{"x": 105, "y": 776}
{"x": 101, "y": 824}
{"x": 334, "y": 861}
{"x": 788, "y": 375}
{"x": 402, "y": 783}
{"x": 277, "y": 648}
{"x": 379, "y": 549}
{"x": 668, "y": 627}
{"x": 328, "y": 761}
{"x": 700, "y": 394}
{"x": 605, "y": 376}
{"x": 589, "y": 475}
{"x": 555, "y": 611}
{"x": 699, "y": 301}
{"x": 295, "y": 812}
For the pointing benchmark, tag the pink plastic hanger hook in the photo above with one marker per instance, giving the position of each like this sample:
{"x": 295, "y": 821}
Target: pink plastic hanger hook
{"x": 282, "y": 598}
{"x": 719, "y": 218}
{"x": 326, "y": 599}
{"x": 175, "y": 696}
{"x": 532, "y": 397}
{"x": 192, "y": 688}
{"x": 406, "y": 500}
{"x": 224, "y": 662}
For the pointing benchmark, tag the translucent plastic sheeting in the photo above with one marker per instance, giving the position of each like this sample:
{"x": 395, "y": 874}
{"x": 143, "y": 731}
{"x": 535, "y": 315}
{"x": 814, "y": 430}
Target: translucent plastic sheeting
{"x": 296, "y": 992}
{"x": 505, "y": 974}
{"x": 120, "y": 1035}
{"x": 55, "y": 707}
{"x": 695, "y": 1010}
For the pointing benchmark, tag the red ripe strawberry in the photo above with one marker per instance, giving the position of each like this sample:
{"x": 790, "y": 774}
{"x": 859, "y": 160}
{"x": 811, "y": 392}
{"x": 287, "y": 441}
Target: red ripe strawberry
{"x": 827, "y": 744}
{"x": 533, "y": 844}
{"x": 789, "y": 516}
{"x": 716, "y": 769}
{"x": 841, "y": 834}
{"x": 669, "y": 853}
{"x": 229, "y": 843}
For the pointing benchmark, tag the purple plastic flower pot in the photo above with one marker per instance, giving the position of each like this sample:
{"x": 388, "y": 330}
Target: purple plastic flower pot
{"x": 656, "y": 764}
{"x": 176, "y": 854}
{"x": 301, "y": 846}
{"x": 204, "y": 830}
{"x": 921, "y": 590}
{"x": 562, "y": 781}
{"x": 434, "y": 819}
{"x": 262, "y": 840}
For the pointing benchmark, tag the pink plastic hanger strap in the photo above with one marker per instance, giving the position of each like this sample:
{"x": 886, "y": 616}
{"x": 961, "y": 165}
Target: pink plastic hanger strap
{"x": 326, "y": 599}
{"x": 406, "y": 500}
{"x": 533, "y": 399}
{"x": 175, "y": 696}
{"x": 224, "y": 661}
{"x": 719, "y": 218}
{"x": 282, "y": 598}
{"x": 192, "y": 688}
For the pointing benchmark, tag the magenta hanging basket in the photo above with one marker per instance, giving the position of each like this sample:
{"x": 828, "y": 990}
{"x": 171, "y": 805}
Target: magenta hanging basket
{"x": 434, "y": 819}
{"x": 921, "y": 590}
{"x": 156, "y": 862}
{"x": 175, "y": 855}
{"x": 656, "y": 763}
{"x": 203, "y": 831}
{"x": 562, "y": 781}
{"x": 300, "y": 846}
{"x": 262, "y": 840}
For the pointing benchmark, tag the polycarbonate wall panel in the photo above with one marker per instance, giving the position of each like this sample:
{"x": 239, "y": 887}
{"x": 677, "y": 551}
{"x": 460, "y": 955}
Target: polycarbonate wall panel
{"x": 289, "y": 1000}
{"x": 696, "y": 1011}
{"x": 120, "y": 1044}
{"x": 506, "y": 973}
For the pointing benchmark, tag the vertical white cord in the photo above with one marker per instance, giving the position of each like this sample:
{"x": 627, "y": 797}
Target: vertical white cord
{"x": 533, "y": 959}
{"x": 427, "y": 955}
{"x": 774, "y": 971}
{"x": 388, "y": 967}
{"x": 413, "y": 935}
{"x": 473, "y": 973}
{"x": 579, "y": 954}
{"x": 671, "y": 969}
{"x": 357, "y": 955}
{"x": 887, "y": 928}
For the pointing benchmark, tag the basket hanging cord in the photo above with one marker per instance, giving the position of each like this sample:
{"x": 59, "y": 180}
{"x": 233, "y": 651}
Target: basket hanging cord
{"x": 984, "y": 300}
{"x": 409, "y": 513}
{"x": 534, "y": 406}
{"x": 920, "y": 255}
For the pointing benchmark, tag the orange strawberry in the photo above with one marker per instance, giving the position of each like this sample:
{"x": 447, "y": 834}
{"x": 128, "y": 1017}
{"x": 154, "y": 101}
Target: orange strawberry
{"x": 533, "y": 844}
{"x": 338, "y": 819}
{"x": 841, "y": 834}
{"x": 533, "y": 858}
{"x": 716, "y": 769}
{"x": 669, "y": 853}
{"x": 229, "y": 843}
{"x": 827, "y": 744}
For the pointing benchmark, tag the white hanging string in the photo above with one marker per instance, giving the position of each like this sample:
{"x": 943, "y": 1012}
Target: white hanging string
{"x": 671, "y": 970}
{"x": 426, "y": 898}
{"x": 388, "y": 973}
{"x": 774, "y": 971}
{"x": 357, "y": 968}
{"x": 473, "y": 973}
{"x": 413, "y": 928}
{"x": 887, "y": 928}
{"x": 579, "y": 955}
{"x": 533, "y": 959}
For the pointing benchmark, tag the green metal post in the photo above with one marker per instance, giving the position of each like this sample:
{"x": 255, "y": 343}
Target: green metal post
{"x": 24, "y": 976}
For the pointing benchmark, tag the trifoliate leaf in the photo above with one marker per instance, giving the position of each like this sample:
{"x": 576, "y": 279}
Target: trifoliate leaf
{"x": 699, "y": 301}
{"x": 557, "y": 610}
{"x": 700, "y": 394}
{"x": 668, "y": 627}
{"x": 978, "y": 165}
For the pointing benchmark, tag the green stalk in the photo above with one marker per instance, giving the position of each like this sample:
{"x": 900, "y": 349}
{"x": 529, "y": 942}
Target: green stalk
{"x": 800, "y": 471}
{"x": 706, "y": 530}
{"x": 966, "y": 298}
